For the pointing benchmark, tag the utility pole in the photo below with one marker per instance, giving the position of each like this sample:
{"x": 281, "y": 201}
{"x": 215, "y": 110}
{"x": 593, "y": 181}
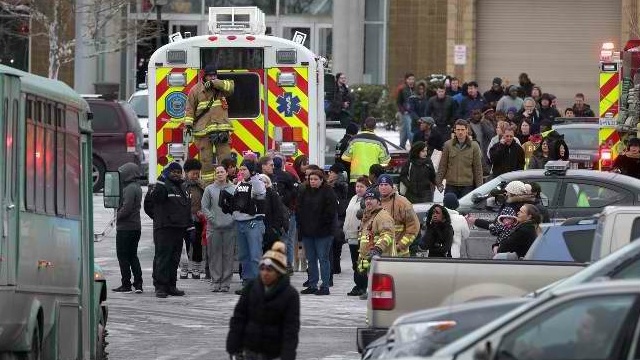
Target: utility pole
{"x": 82, "y": 73}
{"x": 158, "y": 4}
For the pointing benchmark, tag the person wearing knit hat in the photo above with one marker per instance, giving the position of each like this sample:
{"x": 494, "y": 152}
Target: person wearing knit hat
{"x": 493, "y": 95}
{"x": 250, "y": 165}
{"x": 518, "y": 188}
{"x": 269, "y": 308}
{"x": 450, "y": 201}
{"x": 407, "y": 224}
{"x": 372, "y": 194}
{"x": 172, "y": 168}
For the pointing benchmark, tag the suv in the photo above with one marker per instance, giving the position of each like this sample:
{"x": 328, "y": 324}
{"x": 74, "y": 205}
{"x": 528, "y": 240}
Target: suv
{"x": 117, "y": 137}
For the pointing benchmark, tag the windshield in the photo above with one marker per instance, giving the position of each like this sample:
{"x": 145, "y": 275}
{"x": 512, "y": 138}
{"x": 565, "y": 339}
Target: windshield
{"x": 140, "y": 104}
{"x": 580, "y": 138}
{"x": 466, "y": 201}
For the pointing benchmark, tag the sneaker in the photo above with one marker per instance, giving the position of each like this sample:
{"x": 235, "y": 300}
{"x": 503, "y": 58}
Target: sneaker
{"x": 138, "y": 289}
{"x": 355, "y": 292}
{"x": 184, "y": 275}
{"x": 195, "y": 276}
{"x": 123, "y": 289}
{"x": 323, "y": 291}
{"x": 175, "y": 292}
{"x": 161, "y": 294}
{"x": 305, "y": 284}
{"x": 309, "y": 290}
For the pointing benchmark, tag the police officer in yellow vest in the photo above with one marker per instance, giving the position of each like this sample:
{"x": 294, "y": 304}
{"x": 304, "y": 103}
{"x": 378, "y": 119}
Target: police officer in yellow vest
{"x": 207, "y": 119}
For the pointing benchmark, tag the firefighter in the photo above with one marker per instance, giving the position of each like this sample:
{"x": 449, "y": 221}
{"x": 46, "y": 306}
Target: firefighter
{"x": 376, "y": 236}
{"x": 407, "y": 225}
{"x": 207, "y": 119}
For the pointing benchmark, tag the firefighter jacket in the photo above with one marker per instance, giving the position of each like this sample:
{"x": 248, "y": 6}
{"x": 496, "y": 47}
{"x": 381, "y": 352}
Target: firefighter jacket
{"x": 376, "y": 230}
{"x": 407, "y": 225}
{"x": 216, "y": 117}
{"x": 364, "y": 150}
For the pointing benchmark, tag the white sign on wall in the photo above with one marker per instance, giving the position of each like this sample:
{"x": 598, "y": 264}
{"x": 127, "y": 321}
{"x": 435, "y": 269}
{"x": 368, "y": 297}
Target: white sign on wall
{"x": 299, "y": 37}
{"x": 460, "y": 54}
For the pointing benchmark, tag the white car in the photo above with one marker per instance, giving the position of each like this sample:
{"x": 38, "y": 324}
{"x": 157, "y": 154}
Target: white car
{"x": 140, "y": 103}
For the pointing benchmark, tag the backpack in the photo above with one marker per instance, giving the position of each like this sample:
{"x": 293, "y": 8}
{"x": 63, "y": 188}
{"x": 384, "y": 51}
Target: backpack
{"x": 148, "y": 202}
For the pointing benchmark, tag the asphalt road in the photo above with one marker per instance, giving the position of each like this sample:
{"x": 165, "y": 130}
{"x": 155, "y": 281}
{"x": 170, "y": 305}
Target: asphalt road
{"x": 195, "y": 326}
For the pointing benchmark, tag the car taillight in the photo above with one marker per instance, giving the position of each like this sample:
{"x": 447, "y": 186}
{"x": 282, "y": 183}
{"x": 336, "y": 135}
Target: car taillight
{"x": 131, "y": 142}
{"x": 605, "y": 157}
{"x": 382, "y": 292}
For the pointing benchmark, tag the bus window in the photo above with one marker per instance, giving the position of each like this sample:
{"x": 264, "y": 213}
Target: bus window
{"x": 72, "y": 164}
{"x": 40, "y": 169}
{"x": 30, "y": 143}
{"x": 60, "y": 155}
{"x": 49, "y": 164}
{"x": 232, "y": 58}
{"x": 245, "y": 101}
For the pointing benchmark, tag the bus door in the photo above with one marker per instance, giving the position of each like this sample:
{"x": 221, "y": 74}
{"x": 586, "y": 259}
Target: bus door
{"x": 245, "y": 66}
{"x": 10, "y": 87}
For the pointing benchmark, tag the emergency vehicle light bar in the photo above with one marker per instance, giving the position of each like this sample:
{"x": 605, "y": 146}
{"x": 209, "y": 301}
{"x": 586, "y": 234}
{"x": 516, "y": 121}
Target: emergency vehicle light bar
{"x": 236, "y": 20}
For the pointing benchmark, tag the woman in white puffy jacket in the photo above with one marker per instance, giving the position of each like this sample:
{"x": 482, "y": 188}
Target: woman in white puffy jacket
{"x": 351, "y": 227}
{"x": 460, "y": 226}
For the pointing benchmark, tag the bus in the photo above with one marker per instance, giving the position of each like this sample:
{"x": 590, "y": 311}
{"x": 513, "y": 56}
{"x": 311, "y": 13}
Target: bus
{"x": 51, "y": 298}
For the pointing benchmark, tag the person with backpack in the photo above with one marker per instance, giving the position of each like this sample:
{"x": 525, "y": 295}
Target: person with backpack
{"x": 191, "y": 264}
{"x": 221, "y": 233}
{"x": 171, "y": 219}
{"x": 128, "y": 229}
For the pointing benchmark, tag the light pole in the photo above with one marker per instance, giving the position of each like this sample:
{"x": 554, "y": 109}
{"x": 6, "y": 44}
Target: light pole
{"x": 158, "y": 4}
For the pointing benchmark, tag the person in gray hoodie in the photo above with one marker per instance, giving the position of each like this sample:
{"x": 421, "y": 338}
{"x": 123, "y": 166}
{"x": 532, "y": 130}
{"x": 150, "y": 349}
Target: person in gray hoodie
{"x": 221, "y": 232}
{"x": 128, "y": 229}
{"x": 510, "y": 100}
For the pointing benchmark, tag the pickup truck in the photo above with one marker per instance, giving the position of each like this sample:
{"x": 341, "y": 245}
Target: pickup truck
{"x": 401, "y": 285}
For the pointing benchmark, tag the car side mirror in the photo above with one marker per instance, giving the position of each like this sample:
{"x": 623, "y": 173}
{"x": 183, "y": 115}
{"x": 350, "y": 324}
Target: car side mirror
{"x": 112, "y": 190}
{"x": 482, "y": 351}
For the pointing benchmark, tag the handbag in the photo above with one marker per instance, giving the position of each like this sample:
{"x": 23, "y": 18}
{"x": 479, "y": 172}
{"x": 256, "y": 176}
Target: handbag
{"x": 402, "y": 188}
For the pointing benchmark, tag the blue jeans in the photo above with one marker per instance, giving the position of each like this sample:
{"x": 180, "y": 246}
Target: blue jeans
{"x": 317, "y": 250}
{"x": 249, "y": 239}
{"x": 405, "y": 130}
{"x": 290, "y": 239}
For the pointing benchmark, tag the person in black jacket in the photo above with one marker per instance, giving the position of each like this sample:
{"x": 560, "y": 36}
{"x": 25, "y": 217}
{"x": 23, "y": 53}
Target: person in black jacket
{"x": 418, "y": 105}
{"x": 315, "y": 215}
{"x": 628, "y": 163}
{"x": 438, "y": 236}
{"x": 172, "y": 218}
{"x": 418, "y": 175}
{"x": 426, "y": 134}
{"x": 128, "y": 229}
{"x": 341, "y": 146}
{"x": 337, "y": 180}
{"x": 266, "y": 320}
{"x": 342, "y": 104}
{"x": 525, "y": 232}
{"x": 507, "y": 155}
{"x": 274, "y": 219}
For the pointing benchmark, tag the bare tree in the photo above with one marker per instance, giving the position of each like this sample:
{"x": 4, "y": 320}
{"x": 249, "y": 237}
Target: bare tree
{"x": 107, "y": 28}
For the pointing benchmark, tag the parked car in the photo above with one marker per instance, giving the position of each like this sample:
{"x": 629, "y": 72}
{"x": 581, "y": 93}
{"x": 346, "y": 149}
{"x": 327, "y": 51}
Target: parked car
{"x": 570, "y": 242}
{"x": 140, "y": 103}
{"x": 592, "y": 321}
{"x": 117, "y": 137}
{"x": 431, "y": 329}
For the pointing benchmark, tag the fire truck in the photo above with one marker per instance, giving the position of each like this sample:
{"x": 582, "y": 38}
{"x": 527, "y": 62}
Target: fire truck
{"x": 278, "y": 102}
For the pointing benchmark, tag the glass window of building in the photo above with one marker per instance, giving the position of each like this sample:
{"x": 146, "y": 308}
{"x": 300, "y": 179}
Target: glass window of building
{"x": 173, "y": 7}
{"x": 306, "y": 7}
{"x": 268, "y": 6}
{"x": 374, "y": 41}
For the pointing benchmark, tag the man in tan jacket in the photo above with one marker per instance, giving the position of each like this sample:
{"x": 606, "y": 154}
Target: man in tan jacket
{"x": 207, "y": 119}
{"x": 461, "y": 162}
{"x": 407, "y": 224}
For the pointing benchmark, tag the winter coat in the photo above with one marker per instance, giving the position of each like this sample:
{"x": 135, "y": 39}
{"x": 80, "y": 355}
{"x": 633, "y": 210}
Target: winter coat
{"x": 217, "y": 117}
{"x": 266, "y": 321}
{"x": 316, "y": 211}
{"x": 469, "y": 104}
{"x": 407, "y": 225}
{"x": 364, "y": 150}
{"x": 442, "y": 111}
{"x": 519, "y": 240}
{"x": 195, "y": 190}
{"x": 549, "y": 113}
{"x": 511, "y": 207}
{"x": 417, "y": 109}
{"x": 341, "y": 147}
{"x": 257, "y": 197}
{"x": 433, "y": 139}
{"x": 128, "y": 215}
{"x": 495, "y": 140}
{"x": 286, "y": 185}
{"x": 492, "y": 96}
{"x": 351, "y": 222}
{"x": 438, "y": 236}
{"x": 627, "y": 165}
{"x": 537, "y": 161}
{"x": 584, "y": 112}
{"x": 403, "y": 99}
{"x": 461, "y": 233}
{"x": 171, "y": 204}
{"x": 534, "y": 120}
{"x": 507, "y": 102}
{"x": 216, "y": 219}
{"x": 506, "y": 158}
{"x": 460, "y": 165}
{"x": 483, "y": 132}
{"x": 341, "y": 191}
{"x": 275, "y": 221}
{"x": 418, "y": 175}
{"x": 376, "y": 231}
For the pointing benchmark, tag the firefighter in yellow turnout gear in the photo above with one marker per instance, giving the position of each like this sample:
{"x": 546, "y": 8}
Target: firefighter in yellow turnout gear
{"x": 407, "y": 224}
{"x": 207, "y": 120}
{"x": 376, "y": 234}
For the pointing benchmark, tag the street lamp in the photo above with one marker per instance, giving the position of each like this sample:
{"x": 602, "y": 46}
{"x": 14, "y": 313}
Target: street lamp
{"x": 158, "y": 4}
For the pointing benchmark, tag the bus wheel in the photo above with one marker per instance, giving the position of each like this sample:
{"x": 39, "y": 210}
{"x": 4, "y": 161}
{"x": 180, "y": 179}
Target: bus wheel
{"x": 36, "y": 350}
{"x": 101, "y": 343}
{"x": 97, "y": 174}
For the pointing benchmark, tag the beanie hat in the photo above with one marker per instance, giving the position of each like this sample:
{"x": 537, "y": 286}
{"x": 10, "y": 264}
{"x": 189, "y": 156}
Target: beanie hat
{"x": 276, "y": 257}
{"x": 173, "y": 166}
{"x": 277, "y": 162}
{"x": 372, "y": 193}
{"x": 385, "y": 179}
{"x": 250, "y": 165}
{"x": 497, "y": 81}
{"x": 517, "y": 188}
{"x": 352, "y": 128}
{"x": 450, "y": 201}
{"x": 192, "y": 164}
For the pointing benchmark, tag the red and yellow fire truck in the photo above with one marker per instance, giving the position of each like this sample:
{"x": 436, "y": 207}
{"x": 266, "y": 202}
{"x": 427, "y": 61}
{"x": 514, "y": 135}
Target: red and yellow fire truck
{"x": 278, "y": 102}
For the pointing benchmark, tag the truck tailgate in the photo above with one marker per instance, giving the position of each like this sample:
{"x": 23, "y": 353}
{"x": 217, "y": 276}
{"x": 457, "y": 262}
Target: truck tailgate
{"x": 420, "y": 283}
